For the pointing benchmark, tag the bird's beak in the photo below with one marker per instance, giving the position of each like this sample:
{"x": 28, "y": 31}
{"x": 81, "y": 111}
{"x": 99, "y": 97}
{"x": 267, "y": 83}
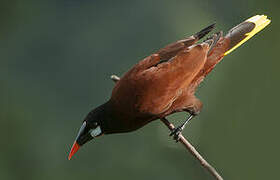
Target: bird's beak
{"x": 74, "y": 149}
{"x": 76, "y": 145}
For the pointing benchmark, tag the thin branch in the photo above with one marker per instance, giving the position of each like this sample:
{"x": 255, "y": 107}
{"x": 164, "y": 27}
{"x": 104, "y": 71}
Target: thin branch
{"x": 115, "y": 78}
{"x": 187, "y": 145}
{"x": 193, "y": 151}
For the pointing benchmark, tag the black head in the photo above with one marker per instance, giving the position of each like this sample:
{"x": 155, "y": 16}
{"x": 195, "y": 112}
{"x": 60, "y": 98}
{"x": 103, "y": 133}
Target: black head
{"x": 90, "y": 129}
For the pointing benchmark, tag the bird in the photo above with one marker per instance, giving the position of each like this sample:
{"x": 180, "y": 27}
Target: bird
{"x": 164, "y": 83}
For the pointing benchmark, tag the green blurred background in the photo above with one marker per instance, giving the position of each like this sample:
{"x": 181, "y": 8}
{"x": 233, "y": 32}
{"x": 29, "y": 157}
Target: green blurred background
{"x": 56, "y": 62}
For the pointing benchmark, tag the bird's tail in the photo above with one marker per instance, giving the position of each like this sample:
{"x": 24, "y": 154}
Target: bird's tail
{"x": 244, "y": 31}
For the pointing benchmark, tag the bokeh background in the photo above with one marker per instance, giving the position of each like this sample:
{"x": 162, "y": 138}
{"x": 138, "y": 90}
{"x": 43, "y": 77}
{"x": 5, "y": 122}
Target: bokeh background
{"x": 56, "y": 58}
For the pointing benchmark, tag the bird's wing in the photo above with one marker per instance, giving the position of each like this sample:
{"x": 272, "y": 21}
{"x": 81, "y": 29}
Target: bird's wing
{"x": 171, "y": 50}
{"x": 157, "y": 80}
{"x": 153, "y": 90}
{"x": 161, "y": 85}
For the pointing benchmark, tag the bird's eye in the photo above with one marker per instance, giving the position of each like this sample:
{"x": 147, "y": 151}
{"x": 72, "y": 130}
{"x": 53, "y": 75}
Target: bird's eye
{"x": 95, "y": 132}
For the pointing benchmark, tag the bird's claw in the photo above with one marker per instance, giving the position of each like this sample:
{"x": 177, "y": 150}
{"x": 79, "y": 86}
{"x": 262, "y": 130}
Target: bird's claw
{"x": 176, "y": 133}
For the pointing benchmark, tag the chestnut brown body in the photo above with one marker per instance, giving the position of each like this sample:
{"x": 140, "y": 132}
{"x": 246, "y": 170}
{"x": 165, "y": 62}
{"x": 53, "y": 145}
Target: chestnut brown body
{"x": 164, "y": 83}
{"x": 151, "y": 90}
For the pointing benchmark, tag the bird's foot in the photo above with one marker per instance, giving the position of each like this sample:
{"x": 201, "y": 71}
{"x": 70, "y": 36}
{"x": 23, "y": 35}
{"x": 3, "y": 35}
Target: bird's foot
{"x": 176, "y": 133}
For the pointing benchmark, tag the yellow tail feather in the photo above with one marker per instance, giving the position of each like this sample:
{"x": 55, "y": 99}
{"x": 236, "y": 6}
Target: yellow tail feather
{"x": 260, "y": 22}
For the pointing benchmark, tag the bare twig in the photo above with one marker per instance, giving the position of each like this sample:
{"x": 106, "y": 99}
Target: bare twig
{"x": 193, "y": 151}
{"x": 186, "y": 144}
{"x": 115, "y": 78}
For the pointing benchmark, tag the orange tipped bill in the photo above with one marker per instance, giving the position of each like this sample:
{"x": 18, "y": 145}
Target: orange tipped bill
{"x": 74, "y": 149}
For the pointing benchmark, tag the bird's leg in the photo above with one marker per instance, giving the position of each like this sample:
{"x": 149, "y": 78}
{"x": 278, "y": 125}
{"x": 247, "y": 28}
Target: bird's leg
{"x": 177, "y": 131}
{"x": 194, "y": 107}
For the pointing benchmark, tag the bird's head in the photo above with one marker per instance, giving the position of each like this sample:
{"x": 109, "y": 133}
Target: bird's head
{"x": 90, "y": 129}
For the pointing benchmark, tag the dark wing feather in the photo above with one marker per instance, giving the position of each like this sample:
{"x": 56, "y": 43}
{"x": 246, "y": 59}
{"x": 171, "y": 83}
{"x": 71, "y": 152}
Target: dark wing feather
{"x": 167, "y": 53}
{"x": 172, "y": 49}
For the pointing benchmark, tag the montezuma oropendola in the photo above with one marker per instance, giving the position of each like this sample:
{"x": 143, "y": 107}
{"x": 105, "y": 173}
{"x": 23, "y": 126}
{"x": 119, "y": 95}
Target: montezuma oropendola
{"x": 164, "y": 83}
